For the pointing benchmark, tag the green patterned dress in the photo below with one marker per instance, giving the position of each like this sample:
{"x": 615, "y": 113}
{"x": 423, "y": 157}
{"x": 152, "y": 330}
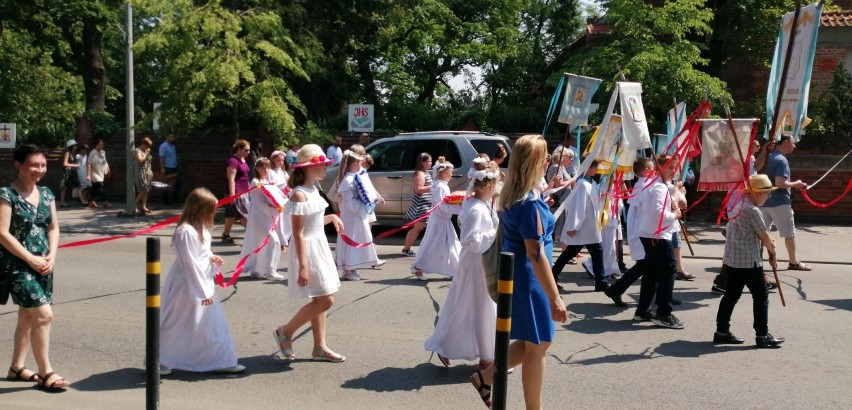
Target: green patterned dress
{"x": 29, "y": 225}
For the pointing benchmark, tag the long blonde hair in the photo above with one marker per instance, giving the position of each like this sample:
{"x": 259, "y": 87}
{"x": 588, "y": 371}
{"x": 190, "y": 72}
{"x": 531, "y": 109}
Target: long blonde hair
{"x": 198, "y": 211}
{"x": 526, "y": 167}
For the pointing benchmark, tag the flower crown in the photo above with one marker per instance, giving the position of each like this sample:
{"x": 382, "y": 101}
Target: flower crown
{"x": 440, "y": 166}
{"x": 352, "y": 154}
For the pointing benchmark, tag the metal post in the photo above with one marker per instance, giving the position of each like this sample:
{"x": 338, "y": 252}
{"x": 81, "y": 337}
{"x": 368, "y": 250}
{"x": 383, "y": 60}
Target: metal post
{"x": 505, "y": 287}
{"x": 152, "y": 323}
{"x": 130, "y": 197}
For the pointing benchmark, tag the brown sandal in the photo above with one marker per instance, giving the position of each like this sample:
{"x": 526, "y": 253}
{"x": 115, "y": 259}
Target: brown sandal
{"x": 18, "y": 375}
{"x": 52, "y": 387}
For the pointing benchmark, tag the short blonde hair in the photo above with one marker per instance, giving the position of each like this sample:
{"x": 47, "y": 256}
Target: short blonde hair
{"x": 525, "y": 169}
{"x": 560, "y": 152}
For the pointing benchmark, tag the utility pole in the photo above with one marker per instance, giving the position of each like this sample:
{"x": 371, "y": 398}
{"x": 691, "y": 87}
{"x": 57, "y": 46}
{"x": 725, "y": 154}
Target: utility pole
{"x": 130, "y": 198}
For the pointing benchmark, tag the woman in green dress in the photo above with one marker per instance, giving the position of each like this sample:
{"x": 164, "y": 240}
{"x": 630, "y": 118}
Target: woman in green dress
{"x": 29, "y": 235}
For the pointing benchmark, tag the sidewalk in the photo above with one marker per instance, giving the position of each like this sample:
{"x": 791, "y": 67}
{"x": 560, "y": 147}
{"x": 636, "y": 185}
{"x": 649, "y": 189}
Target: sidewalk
{"x": 815, "y": 244}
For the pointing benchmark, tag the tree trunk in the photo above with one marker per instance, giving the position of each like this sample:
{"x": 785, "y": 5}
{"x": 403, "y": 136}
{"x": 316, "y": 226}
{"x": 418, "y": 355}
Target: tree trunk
{"x": 367, "y": 79}
{"x": 93, "y": 70}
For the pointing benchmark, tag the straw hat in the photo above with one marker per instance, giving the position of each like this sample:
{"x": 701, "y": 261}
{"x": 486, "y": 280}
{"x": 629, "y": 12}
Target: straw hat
{"x": 761, "y": 183}
{"x": 310, "y": 155}
{"x": 70, "y": 143}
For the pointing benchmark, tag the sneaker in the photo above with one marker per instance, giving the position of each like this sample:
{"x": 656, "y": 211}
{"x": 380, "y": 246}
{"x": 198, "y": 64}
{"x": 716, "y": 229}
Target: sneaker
{"x": 380, "y": 263}
{"x": 233, "y": 369}
{"x": 643, "y": 317}
{"x": 669, "y": 321}
{"x": 351, "y": 275}
{"x": 768, "y": 341}
{"x": 273, "y": 276}
{"x": 719, "y": 290}
{"x": 408, "y": 252}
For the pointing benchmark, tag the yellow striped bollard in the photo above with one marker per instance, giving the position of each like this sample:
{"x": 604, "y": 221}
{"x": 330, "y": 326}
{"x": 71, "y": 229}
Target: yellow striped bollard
{"x": 152, "y": 323}
{"x": 505, "y": 285}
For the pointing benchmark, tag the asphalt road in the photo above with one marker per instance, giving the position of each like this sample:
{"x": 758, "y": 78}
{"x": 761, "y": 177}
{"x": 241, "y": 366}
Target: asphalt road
{"x": 600, "y": 359}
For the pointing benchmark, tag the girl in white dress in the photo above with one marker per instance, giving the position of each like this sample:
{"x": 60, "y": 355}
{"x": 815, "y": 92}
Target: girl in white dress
{"x": 278, "y": 175}
{"x": 439, "y": 249}
{"x": 312, "y": 270}
{"x": 465, "y": 328}
{"x": 194, "y": 335}
{"x": 262, "y": 214}
{"x": 356, "y": 205}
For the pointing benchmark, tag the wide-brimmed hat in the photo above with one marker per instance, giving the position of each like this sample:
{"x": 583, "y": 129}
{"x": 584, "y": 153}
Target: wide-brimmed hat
{"x": 70, "y": 143}
{"x": 761, "y": 183}
{"x": 310, "y": 155}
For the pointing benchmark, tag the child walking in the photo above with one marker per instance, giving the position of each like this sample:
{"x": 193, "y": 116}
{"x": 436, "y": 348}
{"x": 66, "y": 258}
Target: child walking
{"x": 278, "y": 175}
{"x": 262, "y": 215}
{"x": 194, "y": 335}
{"x": 312, "y": 272}
{"x": 439, "y": 249}
{"x": 581, "y": 228}
{"x": 356, "y": 205}
{"x": 465, "y": 328}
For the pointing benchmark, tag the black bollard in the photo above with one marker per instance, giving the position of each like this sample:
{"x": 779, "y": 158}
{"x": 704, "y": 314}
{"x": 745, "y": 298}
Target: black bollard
{"x": 505, "y": 287}
{"x": 152, "y": 323}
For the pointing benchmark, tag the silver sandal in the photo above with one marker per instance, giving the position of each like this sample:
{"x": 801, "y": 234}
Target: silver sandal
{"x": 285, "y": 354}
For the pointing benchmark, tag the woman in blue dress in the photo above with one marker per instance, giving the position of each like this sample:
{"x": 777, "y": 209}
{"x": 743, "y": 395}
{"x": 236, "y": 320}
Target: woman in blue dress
{"x": 536, "y": 304}
{"x": 29, "y": 236}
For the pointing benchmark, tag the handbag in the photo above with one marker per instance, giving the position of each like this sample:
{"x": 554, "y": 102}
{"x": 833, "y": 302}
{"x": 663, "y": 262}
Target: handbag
{"x": 491, "y": 258}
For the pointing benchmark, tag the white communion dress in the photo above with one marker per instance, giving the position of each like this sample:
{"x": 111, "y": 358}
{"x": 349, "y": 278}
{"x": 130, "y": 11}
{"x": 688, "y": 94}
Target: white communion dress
{"x": 439, "y": 249}
{"x": 465, "y": 328}
{"x": 262, "y": 216}
{"x": 193, "y": 337}
{"x": 322, "y": 272}
{"x": 353, "y": 213}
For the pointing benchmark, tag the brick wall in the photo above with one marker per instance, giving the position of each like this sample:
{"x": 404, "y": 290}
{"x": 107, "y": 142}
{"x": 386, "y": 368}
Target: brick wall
{"x": 826, "y": 60}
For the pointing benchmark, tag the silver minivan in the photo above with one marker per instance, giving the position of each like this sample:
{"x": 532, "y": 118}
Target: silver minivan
{"x": 394, "y": 159}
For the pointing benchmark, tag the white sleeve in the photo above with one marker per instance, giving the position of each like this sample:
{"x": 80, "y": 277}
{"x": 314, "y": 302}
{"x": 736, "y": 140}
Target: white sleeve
{"x": 575, "y": 212}
{"x": 477, "y": 231}
{"x": 194, "y": 263}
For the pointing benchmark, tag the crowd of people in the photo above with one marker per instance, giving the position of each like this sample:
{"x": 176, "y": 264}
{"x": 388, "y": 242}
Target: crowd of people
{"x": 539, "y": 202}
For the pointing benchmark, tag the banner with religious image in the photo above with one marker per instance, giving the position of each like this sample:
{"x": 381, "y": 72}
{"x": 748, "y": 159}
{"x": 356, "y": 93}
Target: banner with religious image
{"x": 613, "y": 149}
{"x": 7, "y": 135}
{"x": 577, "y": 102}
{"x": 721, "y": 166}
{"x": 793, "y": 110}
{"x": 635, "y": 126}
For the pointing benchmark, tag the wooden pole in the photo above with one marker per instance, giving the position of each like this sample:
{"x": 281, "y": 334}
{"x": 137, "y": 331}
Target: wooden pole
{"x": 783, "y": 82}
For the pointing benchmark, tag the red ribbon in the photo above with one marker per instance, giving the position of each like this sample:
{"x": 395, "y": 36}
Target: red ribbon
{"x": 152, "y": 228}
{"x": 349, "y": 241}
{"x": 826, "y": 205}
{"x": 220, "y": 278}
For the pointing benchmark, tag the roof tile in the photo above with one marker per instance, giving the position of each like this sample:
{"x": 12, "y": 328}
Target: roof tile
{"x": 841, "y": 18}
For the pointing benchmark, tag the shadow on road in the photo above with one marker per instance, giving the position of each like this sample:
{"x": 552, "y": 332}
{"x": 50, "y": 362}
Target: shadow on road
{"x": 392, "y": 379}
{"x": 120, "y": 379}
{"x": 837, "y": 304}
{"x": 690, "y": 348}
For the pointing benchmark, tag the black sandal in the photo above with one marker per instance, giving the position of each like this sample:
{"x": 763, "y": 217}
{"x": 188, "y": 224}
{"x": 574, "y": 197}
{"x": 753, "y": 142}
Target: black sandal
{"x": 17, "y": 375}
{"x": 227, "y": 238}
{"x": 52, "y": 387}
{"x": 486, "y": 398}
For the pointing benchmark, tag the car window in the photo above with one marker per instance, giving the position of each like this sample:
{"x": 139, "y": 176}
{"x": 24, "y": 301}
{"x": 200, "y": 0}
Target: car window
{"x": 436, "y": 148}
{"x": 389, "y": 156}
{"x": 489, "y": 147}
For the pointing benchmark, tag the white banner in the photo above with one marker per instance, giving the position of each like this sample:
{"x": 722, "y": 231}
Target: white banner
{"x": 794, "y": 100}
{"x": 634, "y": 125}
{"x": 577, "y": 102}
{"x": 8, "y": 135}
{"x": 361, "y": 118}
{"x": 721, "y": 166}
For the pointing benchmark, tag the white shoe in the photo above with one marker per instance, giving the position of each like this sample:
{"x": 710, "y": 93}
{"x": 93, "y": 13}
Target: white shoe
{"x": 164, "y": 371}
{"x": 351, "y": 275}
{"x": 233, "y": 369}
{"x": 379, "y": 263}
{"x": 273, "y": 276}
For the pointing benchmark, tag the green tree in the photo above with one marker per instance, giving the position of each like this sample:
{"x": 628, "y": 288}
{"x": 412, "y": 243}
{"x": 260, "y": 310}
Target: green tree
{"x": 219, "y": 62}
{"x": 655, "y": 45}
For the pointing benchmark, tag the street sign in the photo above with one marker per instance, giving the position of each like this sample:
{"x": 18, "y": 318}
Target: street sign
{"x": 7, "y": 135}
{"x": 361, "y": 118}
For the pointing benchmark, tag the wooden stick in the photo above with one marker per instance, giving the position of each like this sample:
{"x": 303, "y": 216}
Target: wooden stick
{"x": 685, "y": 233}
{"x": 778, "y": 283}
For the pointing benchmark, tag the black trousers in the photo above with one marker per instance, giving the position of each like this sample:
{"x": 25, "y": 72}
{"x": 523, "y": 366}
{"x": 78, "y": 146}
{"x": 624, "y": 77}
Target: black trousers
{"x": 661, "y": 269}
{"x": 739, "y": 278}
{"x": 595, "y": 251}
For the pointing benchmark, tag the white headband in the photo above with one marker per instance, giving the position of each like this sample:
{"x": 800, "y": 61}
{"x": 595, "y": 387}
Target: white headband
{"x": 480, "y": 175}
{"x": 440, "y": 166}
{"x": 349, "y": 153}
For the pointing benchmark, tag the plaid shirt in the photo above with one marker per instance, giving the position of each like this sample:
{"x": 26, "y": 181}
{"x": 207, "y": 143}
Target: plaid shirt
{"x": 742, "y": 245}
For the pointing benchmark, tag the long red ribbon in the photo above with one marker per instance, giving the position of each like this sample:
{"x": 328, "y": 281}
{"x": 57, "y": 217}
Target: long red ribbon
{"x": 349, "y": 241}
{"x": 826, "y": 205}
{"x": 152, "y": 228}
{"x": 220, "y": 278}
